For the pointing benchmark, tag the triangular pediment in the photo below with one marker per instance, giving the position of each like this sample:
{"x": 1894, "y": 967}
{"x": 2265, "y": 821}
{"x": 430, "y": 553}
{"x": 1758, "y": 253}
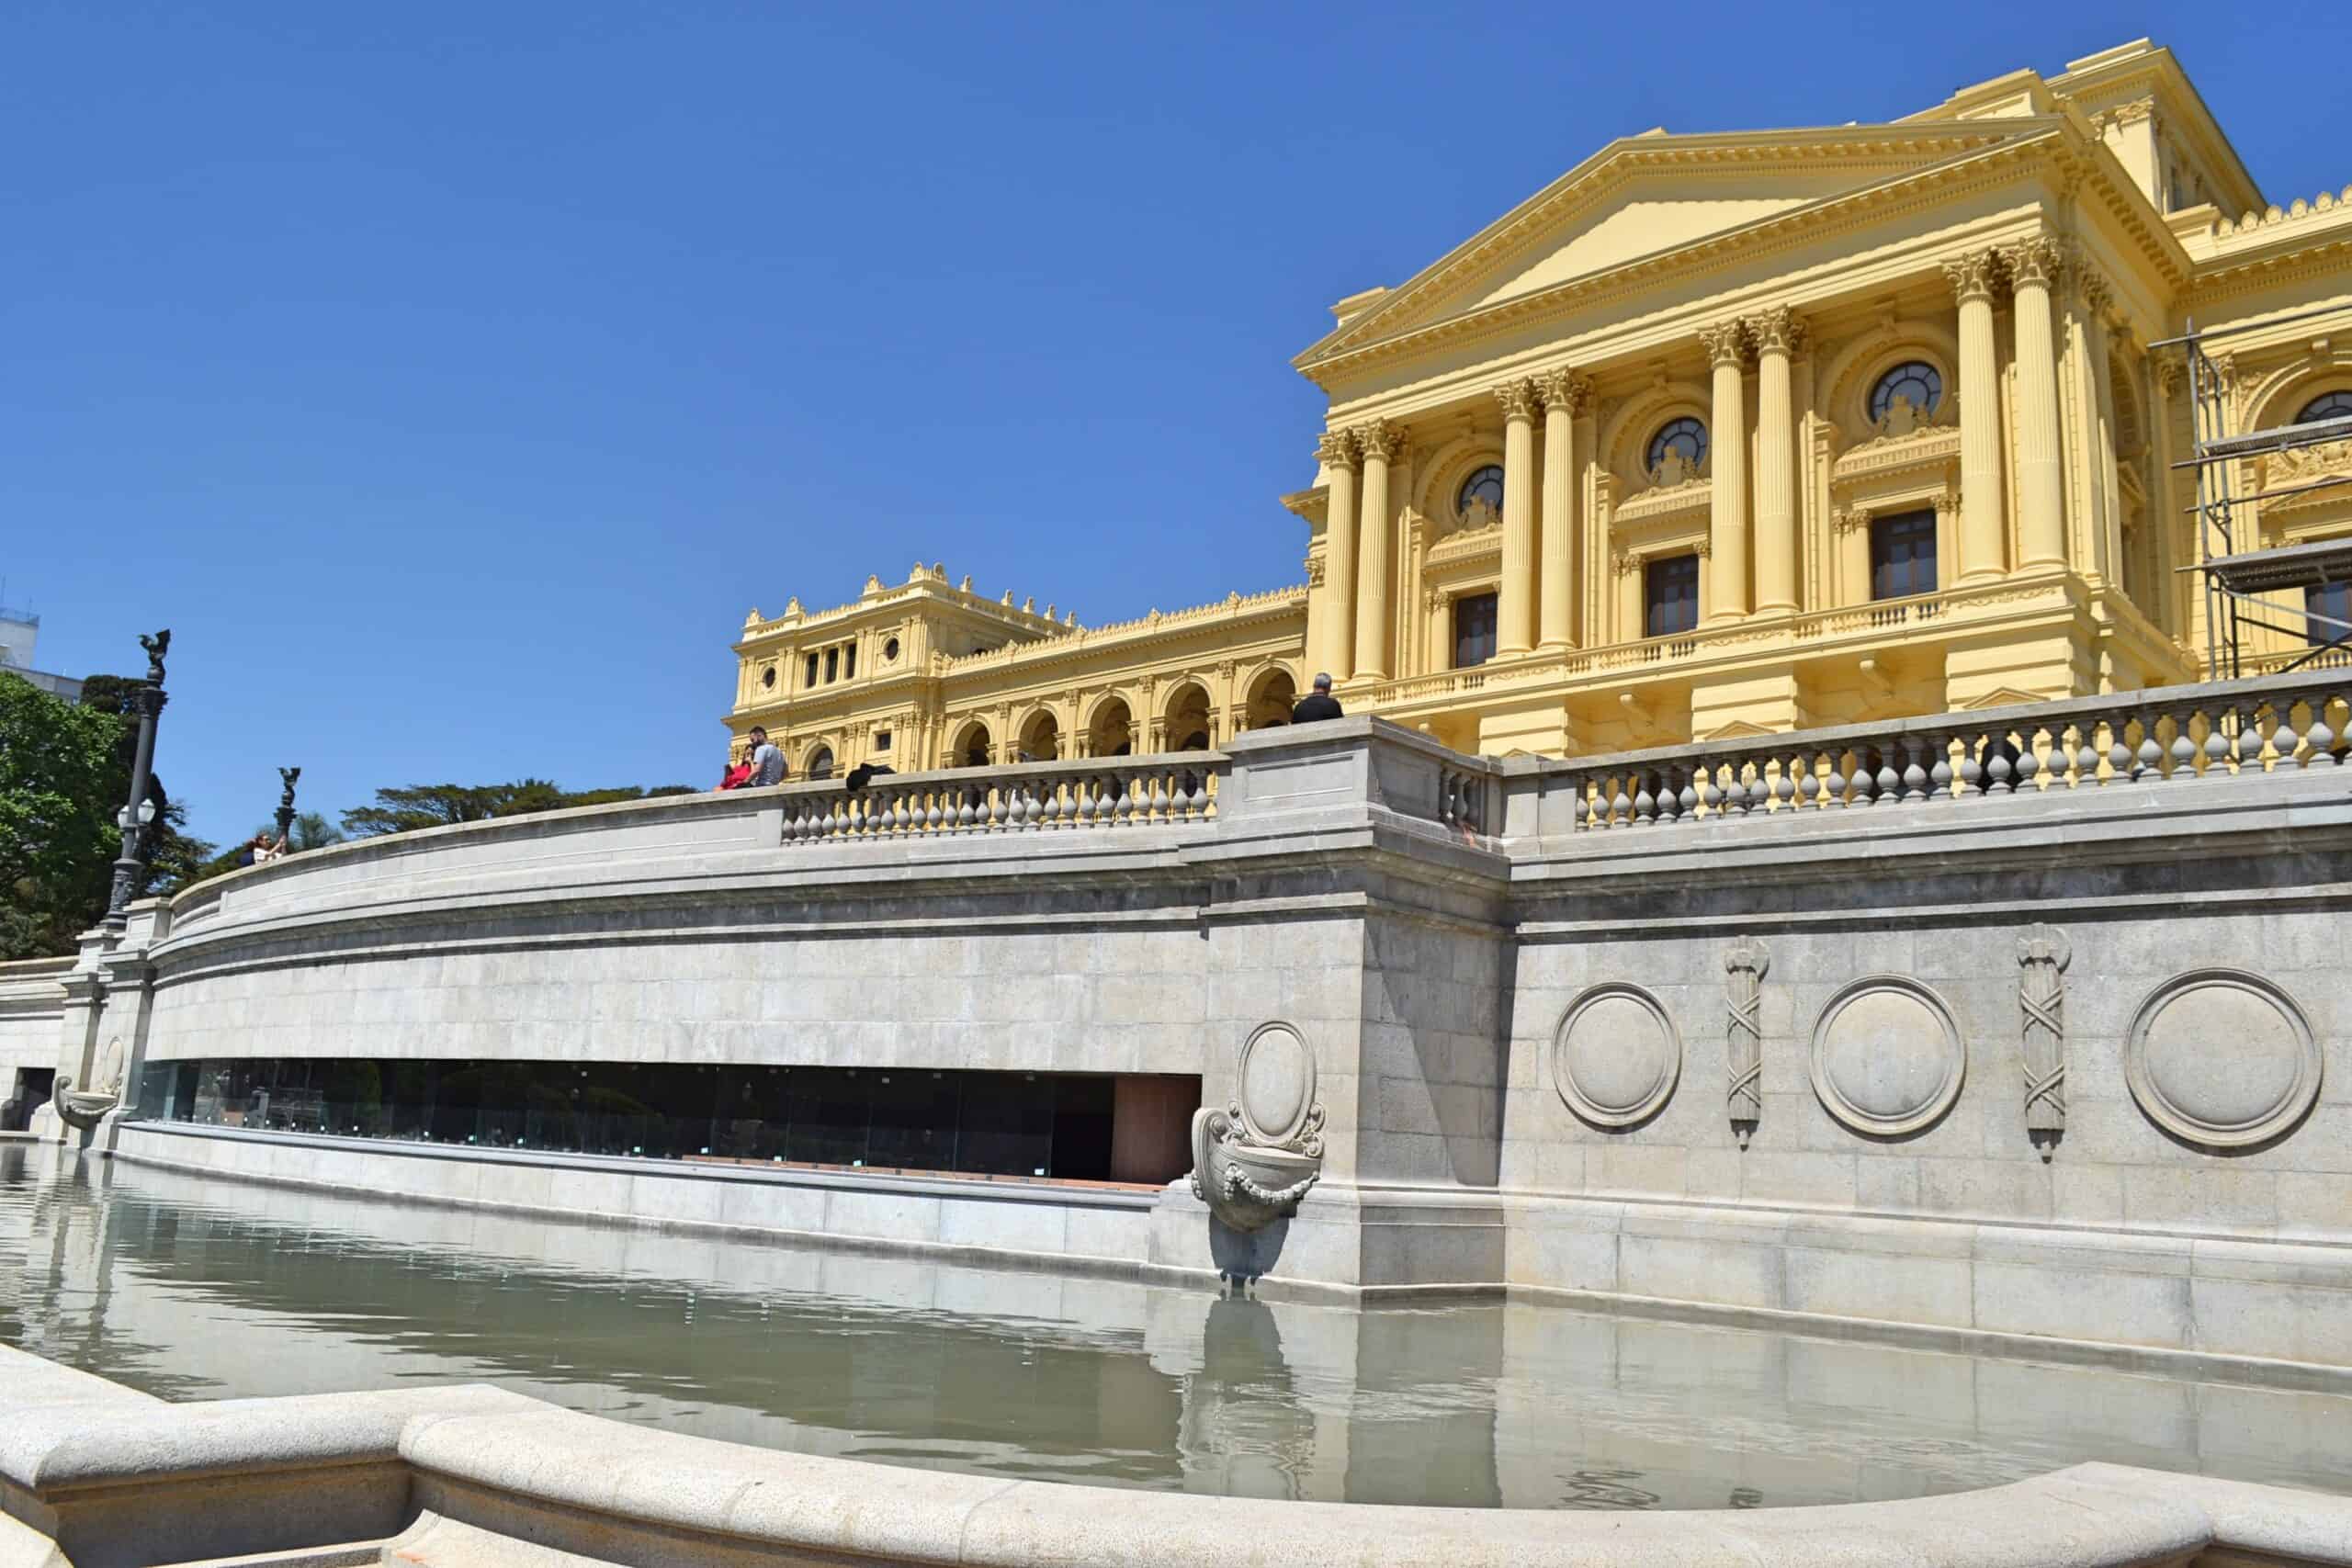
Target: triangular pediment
{"x": 1649, "y": 197}
{"x": 2000, "y": 697}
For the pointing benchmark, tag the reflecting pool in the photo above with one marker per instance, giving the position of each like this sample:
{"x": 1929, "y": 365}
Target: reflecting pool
{"x": 199, "y": 1289}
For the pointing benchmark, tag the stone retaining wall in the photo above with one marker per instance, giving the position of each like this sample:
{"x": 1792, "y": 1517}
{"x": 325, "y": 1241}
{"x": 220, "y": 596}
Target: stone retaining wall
{"x": 2020, "y": 1024}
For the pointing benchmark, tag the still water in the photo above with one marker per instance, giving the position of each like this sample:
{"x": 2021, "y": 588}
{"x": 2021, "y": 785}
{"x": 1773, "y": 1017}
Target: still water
{"x": 196, "y": 1288}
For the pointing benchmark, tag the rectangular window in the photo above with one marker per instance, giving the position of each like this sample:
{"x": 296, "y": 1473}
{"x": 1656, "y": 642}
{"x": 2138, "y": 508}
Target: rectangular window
{"x": 811, "y": 678}
{"x": 881, "y": 740}
{"x": 2327, "y": 609}
{"x": 849, "y": 660}
{"x": 832, "y": 665}
{"x": 1670, "y": 596}
{"x": 1903, "y": 554}
{"x": 1474, "y": 629}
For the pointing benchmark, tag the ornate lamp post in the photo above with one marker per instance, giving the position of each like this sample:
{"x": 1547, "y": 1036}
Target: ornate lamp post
{"x": 285, "y": 809}
{"x": 137, "y": 816}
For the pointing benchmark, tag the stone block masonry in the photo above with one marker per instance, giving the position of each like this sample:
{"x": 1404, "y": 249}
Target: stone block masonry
{"x": 2022, "y": 1027}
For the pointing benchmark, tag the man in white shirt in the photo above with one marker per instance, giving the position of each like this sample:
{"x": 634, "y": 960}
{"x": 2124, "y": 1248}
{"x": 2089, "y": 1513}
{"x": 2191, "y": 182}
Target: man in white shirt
{"x": 767, "y": 762}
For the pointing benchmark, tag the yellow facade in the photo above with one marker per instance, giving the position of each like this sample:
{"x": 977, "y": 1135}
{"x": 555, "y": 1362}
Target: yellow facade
{"x": 1951, "y": 482}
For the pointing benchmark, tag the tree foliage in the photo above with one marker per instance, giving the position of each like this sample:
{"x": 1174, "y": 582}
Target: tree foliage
{"x": 408, "y": 808}
{"x": 64, "y": 773}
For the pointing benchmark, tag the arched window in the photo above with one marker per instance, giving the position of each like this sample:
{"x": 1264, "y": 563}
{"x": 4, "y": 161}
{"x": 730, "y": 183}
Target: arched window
{"x": 1485, "y": 485}
{"x": 821, "y": 762}
{"x": 2327, "y": 405}
{"x": 1916, "y": 381}
{"x": 1685, "y": 438}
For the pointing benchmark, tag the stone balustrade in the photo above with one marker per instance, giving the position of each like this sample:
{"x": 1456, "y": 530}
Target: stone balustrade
{"x": 1126, "y": 792}
{"x": 2163, "y": 734}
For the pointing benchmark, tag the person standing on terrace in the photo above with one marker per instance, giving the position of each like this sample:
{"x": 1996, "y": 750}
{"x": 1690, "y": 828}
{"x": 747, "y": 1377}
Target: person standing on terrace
{"x": 1319, "y": 703}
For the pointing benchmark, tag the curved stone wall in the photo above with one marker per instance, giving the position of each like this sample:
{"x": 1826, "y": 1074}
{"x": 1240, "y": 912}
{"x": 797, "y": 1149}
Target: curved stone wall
{"x": 1905, "y": 1047}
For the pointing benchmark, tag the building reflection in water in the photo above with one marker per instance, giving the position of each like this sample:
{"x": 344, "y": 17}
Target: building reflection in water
{"x": 193, "y": 1287}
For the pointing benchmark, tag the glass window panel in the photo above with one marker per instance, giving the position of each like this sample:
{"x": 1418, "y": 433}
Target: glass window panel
{"x": 1007, "y": 1125}
{"x": 2327, "y": 405}
{"x": 2328, "y": 610}
{"x": 1685, "y": 438}
{"x": 1670, "y": 592}
{"x": 829, "y": 1115}
{"x": 1916, "y": 382}
{"x": 1485, "y": 485}
{"x": 1473, "y": 631}
{"x": 1903, "y": 554}
{"x": 1082, "y": 1119}
{"x": 914, "y": 1113}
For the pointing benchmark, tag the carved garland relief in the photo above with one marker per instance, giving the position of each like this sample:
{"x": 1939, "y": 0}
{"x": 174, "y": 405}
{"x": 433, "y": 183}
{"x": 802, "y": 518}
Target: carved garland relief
{"x": 1745, "y": 967}
{"x": 2043, "y": 953}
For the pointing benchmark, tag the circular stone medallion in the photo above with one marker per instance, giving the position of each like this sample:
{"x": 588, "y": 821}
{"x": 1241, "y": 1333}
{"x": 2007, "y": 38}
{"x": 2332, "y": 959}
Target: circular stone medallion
{"x": 1616, "y": 1056}
{"x": 1886, "y": 1056}
{"x": 1276, "y": 1080}
{"x": 2222, "y": 1057}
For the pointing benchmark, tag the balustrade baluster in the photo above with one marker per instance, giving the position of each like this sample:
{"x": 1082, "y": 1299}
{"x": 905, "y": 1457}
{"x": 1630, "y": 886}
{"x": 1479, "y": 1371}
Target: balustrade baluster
{"x": 1645, "y": 801}
{"x": 1785, "y": 785}
{"x": 1620, "y": 814}
{"x": 1998, "y": 767}
{"x": 1939, "y": 769}
{"x": 1890, "y": 774}
{"x": 2185, "y": 751}
{"x": 2217, "y": 739}
{"x": 1971, "y": 768}
{"x": 1809, "y": 786}
{"x": 2147, "y": 761}
{"x": 1686, "y": 797}
{"x": 2320, "y": 738}
{"x": 2029, "y": 764}
{"x": 1730, "y": 798}
{"x": 2085, "y": 754}
{"x": 1915, "y": 772}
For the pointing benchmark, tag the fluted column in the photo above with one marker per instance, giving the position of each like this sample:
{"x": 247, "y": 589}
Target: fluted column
{"x": 1728, "y": 445}
{"x": 1515, "y": 594}
{"x": 1777, "y": 547}
{"x": 1981, "y": 551}
{"x": 1338, "y": 653}
{"x": 2034, "y": 265}
{"x": 1379, "y": 443}
{"x": 1565, "y": 397}
{"x": 2107, "y": 506}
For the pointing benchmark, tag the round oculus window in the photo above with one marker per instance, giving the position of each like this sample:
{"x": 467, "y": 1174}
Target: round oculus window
{"x": 1685, "y": 438}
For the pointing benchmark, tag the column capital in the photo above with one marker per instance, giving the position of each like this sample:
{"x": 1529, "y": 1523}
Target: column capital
{"x": 1845, "y": 519}
{"x": 1624, "y": 563}
{"x": 1726, "y": 342}
{"x": 1378, "y": 439}
{"x": 2170, "y": 375}
{"x": 1337, "y": 449}
{"x": 2043, "y": 261}
{"x": 1776, "y": 331}
{"x": 1971, "y": 275}
{"x": 1520, "y": 399}
{"x": 1566, "y": 389}
{"x": 2098, "y": 293}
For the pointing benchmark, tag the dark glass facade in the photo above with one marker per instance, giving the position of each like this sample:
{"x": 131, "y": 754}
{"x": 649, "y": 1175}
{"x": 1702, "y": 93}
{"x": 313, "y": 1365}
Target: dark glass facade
{"x": 1059, "y": 1125}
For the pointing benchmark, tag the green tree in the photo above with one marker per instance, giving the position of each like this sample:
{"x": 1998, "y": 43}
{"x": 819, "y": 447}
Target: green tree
{"x": 64, "y": 772}
{"x": 409, "y": 808}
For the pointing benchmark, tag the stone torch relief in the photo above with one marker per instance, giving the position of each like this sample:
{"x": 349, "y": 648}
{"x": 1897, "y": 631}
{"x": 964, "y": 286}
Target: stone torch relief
{"x": 2043, "y": 953}
{"x": 1255, "y": 1160}
{"x": 1745, "y": 967}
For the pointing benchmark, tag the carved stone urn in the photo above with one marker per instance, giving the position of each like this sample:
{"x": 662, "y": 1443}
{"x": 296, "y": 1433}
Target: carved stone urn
{"x": 1254, "y": 1160}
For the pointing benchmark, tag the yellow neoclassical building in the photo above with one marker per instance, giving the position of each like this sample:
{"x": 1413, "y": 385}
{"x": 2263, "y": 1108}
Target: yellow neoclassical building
{"x": 1717, "y": 433}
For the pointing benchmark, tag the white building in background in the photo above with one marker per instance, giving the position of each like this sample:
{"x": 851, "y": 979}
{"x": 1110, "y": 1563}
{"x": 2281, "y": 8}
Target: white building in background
{"x": 19, "y": 632}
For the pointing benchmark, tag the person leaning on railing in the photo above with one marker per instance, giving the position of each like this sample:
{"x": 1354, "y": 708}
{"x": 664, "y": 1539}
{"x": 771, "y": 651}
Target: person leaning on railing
{"x": 1317, "y": 704}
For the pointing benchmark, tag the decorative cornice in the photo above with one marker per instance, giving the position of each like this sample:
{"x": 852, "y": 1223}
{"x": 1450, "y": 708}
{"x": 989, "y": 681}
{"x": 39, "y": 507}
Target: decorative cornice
{"x": 1520, "y": 399}
{"x": 1726, "y": 342}
{"x": 1994, "y": 163}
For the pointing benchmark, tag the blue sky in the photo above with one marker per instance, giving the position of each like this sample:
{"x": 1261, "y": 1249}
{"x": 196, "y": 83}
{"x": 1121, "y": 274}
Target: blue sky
{"x": 451, "y": 378}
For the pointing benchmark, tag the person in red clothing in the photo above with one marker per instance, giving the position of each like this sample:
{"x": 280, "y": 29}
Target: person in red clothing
{"x": 737, "y": 775}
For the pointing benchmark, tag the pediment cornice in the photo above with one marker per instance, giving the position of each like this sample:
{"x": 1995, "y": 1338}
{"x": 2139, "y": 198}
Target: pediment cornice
{"x": 1888, "y": 149}
{"x": 2065, "y": 147}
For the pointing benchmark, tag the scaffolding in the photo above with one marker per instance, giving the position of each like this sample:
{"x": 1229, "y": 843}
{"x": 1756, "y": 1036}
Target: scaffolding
{"x": 2236, "y": 578}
